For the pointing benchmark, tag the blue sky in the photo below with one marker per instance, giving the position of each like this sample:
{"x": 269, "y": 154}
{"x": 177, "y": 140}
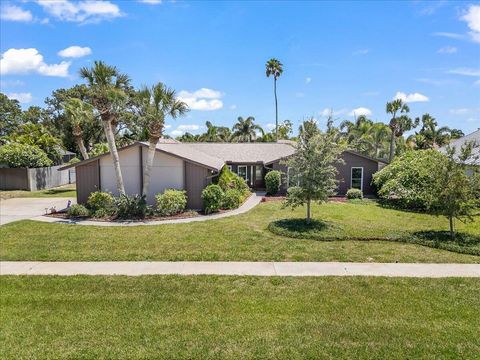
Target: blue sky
{"x": 351, "y": 57}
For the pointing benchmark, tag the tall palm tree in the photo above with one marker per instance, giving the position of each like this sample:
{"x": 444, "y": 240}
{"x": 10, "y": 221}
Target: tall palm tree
{"x": 379, "y": 133}
{"x": 153, "y": 105}
{"x": 434, "y": 137}
{"x": 107, "y": 92}
{"x": 245, "y": 130}
{"x": 78, "y": 113}
{"x": 274, "y": 68}
{"x": 398, "y": 124}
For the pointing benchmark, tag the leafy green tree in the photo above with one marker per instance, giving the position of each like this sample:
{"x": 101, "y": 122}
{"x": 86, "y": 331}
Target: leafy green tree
{"x": 79, "y": 114}
{"x": 430, "y": 136}
{"x": 38, "y": 135}
{"x": 154, "y": 104}
{"x": 98, "y": 149}
{"x": 108, "y": 93}
{"x": 399, "y": 123}
{"x": 10, "y": 115}
{"x": 188, "y": 137}
{"x": 274, "y": 68}
{"x": 314, "y": 167}
{"x": 16, "y": 155}
{"x": 245, "y": 130}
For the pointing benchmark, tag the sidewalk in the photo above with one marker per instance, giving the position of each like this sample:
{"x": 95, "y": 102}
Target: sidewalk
{"x": 136, "y": 268}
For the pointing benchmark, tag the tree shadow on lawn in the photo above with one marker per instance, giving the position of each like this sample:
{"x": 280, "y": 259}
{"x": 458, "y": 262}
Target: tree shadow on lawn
{"x": 322, "y": 231}
{"x": 57, "y": 191}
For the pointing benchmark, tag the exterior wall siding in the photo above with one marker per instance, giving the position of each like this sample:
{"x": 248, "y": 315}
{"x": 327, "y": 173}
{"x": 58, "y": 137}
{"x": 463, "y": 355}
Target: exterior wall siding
{"x": 88, "y": 180}
{"x": 196, "y": 179}
{"x": 369, "y": 166}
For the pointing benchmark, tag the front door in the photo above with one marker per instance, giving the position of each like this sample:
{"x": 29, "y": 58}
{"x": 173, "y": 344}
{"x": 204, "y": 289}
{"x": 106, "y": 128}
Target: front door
{"x": 259, "y": 182}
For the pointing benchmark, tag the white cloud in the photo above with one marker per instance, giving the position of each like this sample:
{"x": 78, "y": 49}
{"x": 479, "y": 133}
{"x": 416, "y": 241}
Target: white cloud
{"x": 465, "y": 71}
{"x": 10, "y": 83}
{"x": 460, "y": 111}
{"x": 308, "y": 80}
{"x": 410, "y": 98}
{"x": 15, "y": 13}
{"x": 24, "y": 98}
{"x": 328, "y": 111}
{"x": 447, "y": 50}
{"x": 151, "y": 2}
{"x": 75, "y": 52}
{"x": 203, "y": 99}
{"x": 233, "y": 107}
{"x": 88, "y": 11}
{"x": 168, "y": 126}
{"x": 182, "y": 129}
{"x": 270, "y": 126}
{"x": 472, "y": 18}
{"x": 448, "y": 35}
{"x": 24, "y": 61}
{"x": 361, "y": 52}
{"x": 360, "y": 111}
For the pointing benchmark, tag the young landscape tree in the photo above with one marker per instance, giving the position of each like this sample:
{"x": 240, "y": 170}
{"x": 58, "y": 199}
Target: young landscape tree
{"x": 154, "y": 105}
{"x": 79, "y": 113}
{"x": 274, "y": 68}
{"x": 108, "y": 91}
{"x": 313, "y": 167}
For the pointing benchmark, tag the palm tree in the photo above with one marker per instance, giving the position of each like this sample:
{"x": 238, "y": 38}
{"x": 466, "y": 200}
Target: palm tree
{"x": 78, "y": 113}
{"x": 274, "y": 68}
{"x": 398, "y": 124}
{"x": 107, "y": 92}
{"x": 245, "y": 130}
{"x": 215, "y": 133}
{"x": 379, "y": 133}
{"x": 153, "y": 105}
{"x": 434, "y": 137}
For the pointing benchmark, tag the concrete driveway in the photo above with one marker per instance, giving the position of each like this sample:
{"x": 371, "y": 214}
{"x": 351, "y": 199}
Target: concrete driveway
{"x": 25, "y": 208}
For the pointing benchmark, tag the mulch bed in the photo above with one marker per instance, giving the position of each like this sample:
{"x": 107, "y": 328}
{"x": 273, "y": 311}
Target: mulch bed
{"x": 184, "y": 215}
{"x": 269, "y": 198}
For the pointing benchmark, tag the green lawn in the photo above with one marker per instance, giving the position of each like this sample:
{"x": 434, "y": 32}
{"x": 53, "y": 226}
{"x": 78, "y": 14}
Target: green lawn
{"x": 238, "y": 318}
{"x": 61, "y": 191}
{"x": 244, "y": 237}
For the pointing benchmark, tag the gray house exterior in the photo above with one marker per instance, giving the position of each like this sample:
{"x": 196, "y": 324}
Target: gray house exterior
{"x": 192, "y": 166}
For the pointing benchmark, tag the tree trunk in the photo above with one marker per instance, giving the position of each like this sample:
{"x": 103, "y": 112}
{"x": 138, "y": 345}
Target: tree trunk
{"x": 308, "y": 211}
{"x": 392, "y": 146}
{"x": 276, "y": 107}
{"x": 107, "y": 127}
{"x": 452, "y": 228}
{"x": 81, "y": 147}
{"x": 148, "y": 165}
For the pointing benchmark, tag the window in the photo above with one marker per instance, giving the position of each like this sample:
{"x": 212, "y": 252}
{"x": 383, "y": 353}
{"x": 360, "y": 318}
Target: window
{"x": 357, "y": 178}
{"x": 258, "y": 173}
{"x": 242, "y": 172}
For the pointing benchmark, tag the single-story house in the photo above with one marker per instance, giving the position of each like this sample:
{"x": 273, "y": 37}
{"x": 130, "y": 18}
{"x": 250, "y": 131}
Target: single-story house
{"x": 473, "y": 162}
{"x": 192, "y": 166}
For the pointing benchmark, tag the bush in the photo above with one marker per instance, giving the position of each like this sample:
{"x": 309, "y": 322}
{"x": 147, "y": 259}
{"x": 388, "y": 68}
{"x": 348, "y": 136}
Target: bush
{"x": 403, "y": 182}
{"x": 171, "y": 202}
{"x": 98, "y": 149}
{"x": 99, "y": 200}
{"x": 229, "y": 180}
{"x": 77, "y": 210}
{"x": 354, "y": 194}
{"x": 272, "y": 182}
{"x": 103, "y": 213}
{"x": 212, "y": 197}
{"x": 73, "y": 160}
{"x": 232, "y": 199}
{"x": 17, "y": 155}
{"x": 131, "y": 207}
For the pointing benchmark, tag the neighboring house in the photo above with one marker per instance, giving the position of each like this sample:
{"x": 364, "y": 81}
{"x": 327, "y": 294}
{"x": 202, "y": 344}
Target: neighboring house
{"x": 473, "y": 162}
{"x": 192, "y": 166}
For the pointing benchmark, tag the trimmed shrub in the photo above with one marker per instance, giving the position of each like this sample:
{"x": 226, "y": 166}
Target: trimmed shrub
{"x": 131, "y": 207}
{"x": 354, "y": 194}
{"x": 171, "y": 202}
{"x": 17, "y": 155}
{"x": 103, "y": 213}
{"x": 226, "y": 178}
{"x": 272, "y": 182}
{"x": 232, "y": 199}
{"x": 99, "y": 200}
{"x": 77, "y": 210}
{"x": 241, "y": 185}
{"x": 212, "y": 197}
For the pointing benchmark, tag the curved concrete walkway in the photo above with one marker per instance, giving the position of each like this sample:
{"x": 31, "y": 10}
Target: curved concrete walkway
{"x": 136, "y": 268}
{"x": 249, "y": 204}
